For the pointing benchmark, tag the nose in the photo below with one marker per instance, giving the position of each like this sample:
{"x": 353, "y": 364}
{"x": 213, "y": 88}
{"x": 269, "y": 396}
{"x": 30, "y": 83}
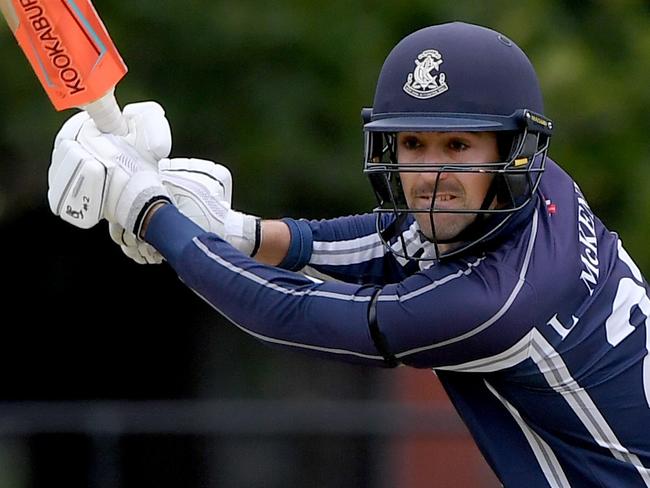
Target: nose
{"x": 431, "y": 178}
{"x": 437, "y": 157}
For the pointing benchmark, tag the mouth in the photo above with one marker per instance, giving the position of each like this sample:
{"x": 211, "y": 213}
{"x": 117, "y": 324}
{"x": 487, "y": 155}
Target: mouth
{"x": 445, "y": 198}
{"x": 442, "y": 200}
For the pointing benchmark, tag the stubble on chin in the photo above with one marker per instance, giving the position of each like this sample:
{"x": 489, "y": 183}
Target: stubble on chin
{"x": 447, "y": 226}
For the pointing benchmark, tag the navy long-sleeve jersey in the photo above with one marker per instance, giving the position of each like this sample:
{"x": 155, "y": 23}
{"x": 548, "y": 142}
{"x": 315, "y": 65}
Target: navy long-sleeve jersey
{"x": 539, "y": 338}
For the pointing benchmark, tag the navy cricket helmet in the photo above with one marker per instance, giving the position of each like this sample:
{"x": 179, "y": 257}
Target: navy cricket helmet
{"x": 456, "y": 77}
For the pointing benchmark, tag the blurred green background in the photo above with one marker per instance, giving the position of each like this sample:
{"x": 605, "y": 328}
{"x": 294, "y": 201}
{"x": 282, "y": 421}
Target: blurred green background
{"x": 273, "y": 90}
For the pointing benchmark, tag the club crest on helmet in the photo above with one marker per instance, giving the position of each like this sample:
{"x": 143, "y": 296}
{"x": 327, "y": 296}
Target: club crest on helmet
{"x": 425, "y": 81}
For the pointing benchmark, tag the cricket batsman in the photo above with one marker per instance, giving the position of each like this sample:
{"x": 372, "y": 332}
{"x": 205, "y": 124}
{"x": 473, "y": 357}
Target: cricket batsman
{"x": 482, "y": 261}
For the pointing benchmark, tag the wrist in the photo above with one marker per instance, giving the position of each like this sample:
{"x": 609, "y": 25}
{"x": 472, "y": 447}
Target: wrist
{"x": 148, "y": 215}
{"x": 275, "y": 238}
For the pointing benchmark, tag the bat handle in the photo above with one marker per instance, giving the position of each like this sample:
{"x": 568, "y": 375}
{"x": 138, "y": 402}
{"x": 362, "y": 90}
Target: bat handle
{"x": 107, "y": 114}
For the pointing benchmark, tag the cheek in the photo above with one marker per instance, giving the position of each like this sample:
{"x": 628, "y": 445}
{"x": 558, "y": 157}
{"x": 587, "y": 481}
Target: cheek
{"x": 407, "y": 182}
{"x": 477, "y": 186}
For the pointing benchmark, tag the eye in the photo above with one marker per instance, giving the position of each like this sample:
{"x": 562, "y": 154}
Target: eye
{"x": 458, "y": 145}
{"x": 411, "y": 143}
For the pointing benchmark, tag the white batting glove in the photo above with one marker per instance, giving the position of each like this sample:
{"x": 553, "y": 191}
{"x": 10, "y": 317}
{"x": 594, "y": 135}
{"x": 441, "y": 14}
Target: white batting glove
{"x": 202, "y": 191}
{"x": 149, "y": 133}
{"x": 139, "y": 251}
{"x": 105, "y": 178}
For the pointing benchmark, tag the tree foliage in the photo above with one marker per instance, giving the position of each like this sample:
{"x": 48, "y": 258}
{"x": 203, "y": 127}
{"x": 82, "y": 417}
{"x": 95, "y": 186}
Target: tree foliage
{"x": 274, "y": 90}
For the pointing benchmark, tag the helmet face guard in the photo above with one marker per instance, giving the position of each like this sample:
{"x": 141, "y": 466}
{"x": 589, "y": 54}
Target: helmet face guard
{"x": 455, "y": 77}
{"x": 514, "y": 182}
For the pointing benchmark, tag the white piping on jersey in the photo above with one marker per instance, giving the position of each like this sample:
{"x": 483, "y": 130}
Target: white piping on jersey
{"x": 352, "y": 251}
{"x": 543, "y": 453}
{"x": 282, "y": 342}
{"x": 246, "y": 274}
{"x": 557, "y": 374}
{"x": 267, "y": 284}
{"x": 549, "y": 362}
{"x": 431, "y": 286}
{"x": 480, "y": 328}
{"x": 362, "y": 249}
{"x": 315, "y": 275}
{"x": 506, "y": 359}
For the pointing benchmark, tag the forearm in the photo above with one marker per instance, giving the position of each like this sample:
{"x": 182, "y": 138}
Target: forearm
{"x": 275, "y": 239}
{"x": 276, "y": 306}
{"x": 147, "y": 218}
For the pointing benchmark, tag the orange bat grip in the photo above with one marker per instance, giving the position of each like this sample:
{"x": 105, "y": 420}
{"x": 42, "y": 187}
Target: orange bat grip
{"x": 72, "y": 54}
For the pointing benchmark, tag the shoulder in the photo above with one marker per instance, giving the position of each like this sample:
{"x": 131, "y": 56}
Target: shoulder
{"x": 572, "y": 251}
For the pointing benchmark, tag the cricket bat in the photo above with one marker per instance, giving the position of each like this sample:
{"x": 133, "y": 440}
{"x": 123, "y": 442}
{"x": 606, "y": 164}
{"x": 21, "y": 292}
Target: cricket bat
{"x": 72, "y": 54}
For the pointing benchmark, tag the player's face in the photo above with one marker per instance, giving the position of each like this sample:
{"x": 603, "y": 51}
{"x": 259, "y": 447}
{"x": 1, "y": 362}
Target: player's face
{"x": 454, "y": 190}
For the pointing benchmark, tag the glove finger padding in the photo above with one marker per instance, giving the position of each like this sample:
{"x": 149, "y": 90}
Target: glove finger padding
{"x": 77, "y": 185}
{"x": 202, "y": 171}
{"x": 116, "y": 232}
{"x": 71, "y": 128}
{"x": 84, "y": 188}
{"x": 149, "y": 130}
{"x": 148, "y": 253}
{"x": 200, "y": 189}
{"x": 140, "y": 252}
{"x": 133, "y": 253}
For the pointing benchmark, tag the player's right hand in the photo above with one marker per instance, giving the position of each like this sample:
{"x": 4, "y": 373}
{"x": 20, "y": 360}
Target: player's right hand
{"x": 202, "y": 191}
